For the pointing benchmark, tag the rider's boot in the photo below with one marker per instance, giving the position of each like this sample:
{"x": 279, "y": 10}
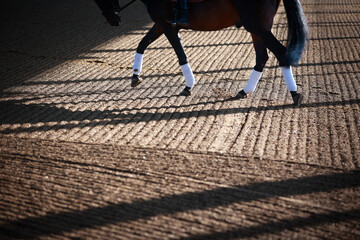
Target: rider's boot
{"x": 183, "y": 17}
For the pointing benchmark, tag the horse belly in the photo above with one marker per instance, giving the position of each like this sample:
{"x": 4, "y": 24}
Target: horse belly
{"x": 212, "y": 15}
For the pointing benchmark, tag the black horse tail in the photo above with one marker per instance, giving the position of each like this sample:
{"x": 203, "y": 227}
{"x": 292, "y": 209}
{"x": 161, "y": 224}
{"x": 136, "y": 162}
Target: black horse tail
{"x": 298, "y": 34}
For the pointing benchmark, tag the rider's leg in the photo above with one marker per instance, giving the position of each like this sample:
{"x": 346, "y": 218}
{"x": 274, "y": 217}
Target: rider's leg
{"x": 183, "y": 18}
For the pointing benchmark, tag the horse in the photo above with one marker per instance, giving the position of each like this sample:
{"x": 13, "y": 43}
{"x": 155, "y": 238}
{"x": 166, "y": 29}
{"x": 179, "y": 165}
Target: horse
{"x": 256, "y": 16}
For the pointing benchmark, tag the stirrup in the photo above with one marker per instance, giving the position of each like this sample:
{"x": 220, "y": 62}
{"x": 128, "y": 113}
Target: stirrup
{"x": 183, "y": 19}
{"x": 175, "y": 15}
{"x": 182, "y": 22}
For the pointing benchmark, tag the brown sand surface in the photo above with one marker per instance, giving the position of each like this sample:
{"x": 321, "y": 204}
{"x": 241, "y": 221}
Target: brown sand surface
{"x": 85, "y": 156}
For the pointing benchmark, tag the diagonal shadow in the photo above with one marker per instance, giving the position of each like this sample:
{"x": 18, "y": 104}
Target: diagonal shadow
{"x": 56, "y": 223}
{"x": 47, "y": 113}
{"x": 126, "y": 79}
{"x": 286, "y": 224}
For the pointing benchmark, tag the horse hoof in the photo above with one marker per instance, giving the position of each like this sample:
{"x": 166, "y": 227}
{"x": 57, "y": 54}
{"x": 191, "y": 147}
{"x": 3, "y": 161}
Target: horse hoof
{"x": 297, "y": 98}
{"x": 186, "y": 92}
{"x": 135, "y": 80}
{"x": 241, "y": 95}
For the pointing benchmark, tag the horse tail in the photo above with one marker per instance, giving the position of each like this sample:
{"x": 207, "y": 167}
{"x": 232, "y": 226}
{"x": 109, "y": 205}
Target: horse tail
{"x": 298, "y": 34}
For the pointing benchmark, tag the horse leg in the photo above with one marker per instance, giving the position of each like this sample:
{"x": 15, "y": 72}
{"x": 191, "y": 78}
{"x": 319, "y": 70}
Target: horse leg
{"x": 280, "y": 52}
{"x": 172, "y": 35}
{"x": 154, "y": 33}
{"x": 271, "y": 43}
{"x": 260, "y": 25}
{"x": 261, "y": 59}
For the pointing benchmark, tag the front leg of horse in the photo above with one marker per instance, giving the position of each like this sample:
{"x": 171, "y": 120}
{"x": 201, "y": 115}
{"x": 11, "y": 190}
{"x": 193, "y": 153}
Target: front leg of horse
{"x": 189, "y": 79}
{"x": 136, "y": 80}
{"x": 175, "y": 41}
{"x": 154, "y": 33}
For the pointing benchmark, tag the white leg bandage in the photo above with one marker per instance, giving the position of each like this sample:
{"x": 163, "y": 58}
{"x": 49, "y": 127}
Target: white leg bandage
{"x": 188, "y": 74}
{"x": 138, "y": 63}
{"x": 289, "y": 79}
{"x": 253, "y": 81}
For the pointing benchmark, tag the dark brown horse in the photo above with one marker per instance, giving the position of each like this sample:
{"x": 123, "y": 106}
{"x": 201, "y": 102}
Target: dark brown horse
{"x": 256, "y": 16}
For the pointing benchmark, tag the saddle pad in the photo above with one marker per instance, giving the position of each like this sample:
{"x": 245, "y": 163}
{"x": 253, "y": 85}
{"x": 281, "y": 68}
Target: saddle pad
{"x": 190, "y": 1}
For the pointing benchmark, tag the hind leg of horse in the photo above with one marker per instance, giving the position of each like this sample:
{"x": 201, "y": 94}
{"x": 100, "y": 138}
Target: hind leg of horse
{"x": 280, "y": 53}
{"x": 154, "y": 33}
{"x": 257, "y": 18}
{"x": 261, "y": 59}
{"x": 175, "y": 41}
